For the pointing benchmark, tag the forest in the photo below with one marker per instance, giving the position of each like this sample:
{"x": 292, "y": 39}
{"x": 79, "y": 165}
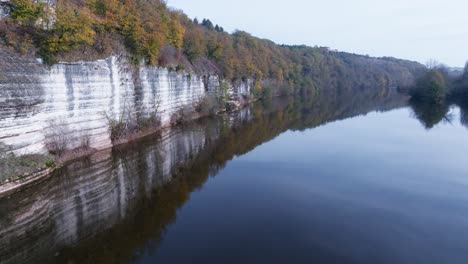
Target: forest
{"x": 438, "y": 85}
{"x": 435, "y": 91}
{"x": 149, "y": 31}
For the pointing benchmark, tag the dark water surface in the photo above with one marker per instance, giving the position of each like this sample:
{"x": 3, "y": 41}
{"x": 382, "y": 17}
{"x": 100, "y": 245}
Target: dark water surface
{"x": 371, "y": 180}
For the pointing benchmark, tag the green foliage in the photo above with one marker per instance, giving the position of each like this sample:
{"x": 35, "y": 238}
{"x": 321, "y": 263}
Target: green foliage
{"x": 194, "y": 47}
{"x": 26, "y": 12}
{"x": 219, "y": 29}
{"x": 175, "y": 34}
{"x": 50, "y": 164}
{"x": 11, "y": 36}
{"x": 208, "y": 24}
{"x": 12, "y": 166}
{"x": 74, "y": 27}
{"x": 152, "y": 32}
{"x": 117, "y": 129}
{"x": 431, "y": 87}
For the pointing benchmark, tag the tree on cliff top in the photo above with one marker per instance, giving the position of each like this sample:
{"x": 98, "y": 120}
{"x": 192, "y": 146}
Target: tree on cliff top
{"x": 73, "y": 27}
{"x": 26, "y": 12}
{"x": 147, "y": 27}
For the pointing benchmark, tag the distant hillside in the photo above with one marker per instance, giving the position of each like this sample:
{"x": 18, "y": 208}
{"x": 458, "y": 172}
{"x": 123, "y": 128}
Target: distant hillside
{"x": 149, "y": 31}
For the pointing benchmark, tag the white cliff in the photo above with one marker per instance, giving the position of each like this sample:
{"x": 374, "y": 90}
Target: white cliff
{"x": 73, "y": 102}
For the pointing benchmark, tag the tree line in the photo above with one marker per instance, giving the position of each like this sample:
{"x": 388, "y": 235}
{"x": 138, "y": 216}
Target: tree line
{"x": 150, "y": 31}
{"x": 438, "y": 85}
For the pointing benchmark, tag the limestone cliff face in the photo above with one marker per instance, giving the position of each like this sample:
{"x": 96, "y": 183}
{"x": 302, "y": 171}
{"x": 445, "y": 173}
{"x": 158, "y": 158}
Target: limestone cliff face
{"x": 75, "y": 101}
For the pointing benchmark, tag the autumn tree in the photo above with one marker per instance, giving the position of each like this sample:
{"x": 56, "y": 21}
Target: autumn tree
{"x": 73, "y": 27}
{"x": 194, "y": 46}
{"x": 26, "y": 12}
{"x": 176, "y": 32}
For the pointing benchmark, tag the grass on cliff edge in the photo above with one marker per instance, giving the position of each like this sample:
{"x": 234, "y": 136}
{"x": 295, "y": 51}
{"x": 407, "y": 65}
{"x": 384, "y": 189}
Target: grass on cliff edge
{"x": 13, "y": 167}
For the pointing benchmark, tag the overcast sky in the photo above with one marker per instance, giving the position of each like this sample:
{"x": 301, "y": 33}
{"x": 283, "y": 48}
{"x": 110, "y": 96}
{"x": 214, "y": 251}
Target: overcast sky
{"x": 411, "y": 29}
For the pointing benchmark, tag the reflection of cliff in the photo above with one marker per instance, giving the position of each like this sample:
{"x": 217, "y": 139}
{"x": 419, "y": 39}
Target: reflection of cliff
{"x": 92, "y": 195}
{"x": 105, "y": 208}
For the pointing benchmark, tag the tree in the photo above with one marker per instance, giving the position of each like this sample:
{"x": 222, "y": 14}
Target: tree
{"x": 26, "y": 12}
{"x": 74, "y": 26}
{"x": 176, "y": 33}
{"x": 194, "y": 46}
{"x": 208, "y": 24}
{"x": 431, "y": 87}
{"x": 214, "y": 48}
{"x": 219, "y": 28}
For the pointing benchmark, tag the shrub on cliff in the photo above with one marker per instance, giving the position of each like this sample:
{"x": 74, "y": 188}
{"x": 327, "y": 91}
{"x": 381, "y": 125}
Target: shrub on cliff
{"x": 208, "y": 105}
{"x": 182, "y": 116}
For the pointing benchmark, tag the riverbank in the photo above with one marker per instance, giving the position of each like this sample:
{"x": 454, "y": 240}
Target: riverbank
{"x": 38, "y": 168}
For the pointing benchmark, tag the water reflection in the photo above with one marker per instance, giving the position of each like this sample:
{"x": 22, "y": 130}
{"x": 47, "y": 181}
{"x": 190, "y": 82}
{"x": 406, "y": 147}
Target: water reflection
{"x": 115, "y": 205}
{"x": 463, "y": 104}
{"x": 431, "y": 114}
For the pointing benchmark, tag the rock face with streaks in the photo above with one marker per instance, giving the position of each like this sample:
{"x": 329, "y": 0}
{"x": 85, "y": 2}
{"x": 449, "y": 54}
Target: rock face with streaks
{"x": 73, "y": 103}
{"x": 92, "y": 195}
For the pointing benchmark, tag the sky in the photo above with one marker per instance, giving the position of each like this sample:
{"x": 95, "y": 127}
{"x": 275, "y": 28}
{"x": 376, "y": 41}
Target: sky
{"x": 419, "y": 30}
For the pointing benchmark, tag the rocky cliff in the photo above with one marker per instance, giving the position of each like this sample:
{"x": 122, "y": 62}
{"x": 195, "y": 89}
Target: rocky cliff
{"x": 73, "y": 104}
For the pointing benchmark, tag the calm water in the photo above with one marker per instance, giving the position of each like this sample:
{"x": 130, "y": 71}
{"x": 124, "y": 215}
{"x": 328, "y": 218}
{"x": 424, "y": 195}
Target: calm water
{"x": 291, "y": 182}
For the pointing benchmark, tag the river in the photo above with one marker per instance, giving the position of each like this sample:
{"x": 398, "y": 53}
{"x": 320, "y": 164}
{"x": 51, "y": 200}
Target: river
{"x": 328, "y": 179}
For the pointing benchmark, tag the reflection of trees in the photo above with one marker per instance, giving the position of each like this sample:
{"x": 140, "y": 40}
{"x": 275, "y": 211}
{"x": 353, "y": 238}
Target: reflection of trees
{"x": 150, "y": 212}
{"x": 464, "y": 117}
{"x": 463, "y": 104}
{"x": 430, "y": 113}
{"x": 432, "y": 97}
